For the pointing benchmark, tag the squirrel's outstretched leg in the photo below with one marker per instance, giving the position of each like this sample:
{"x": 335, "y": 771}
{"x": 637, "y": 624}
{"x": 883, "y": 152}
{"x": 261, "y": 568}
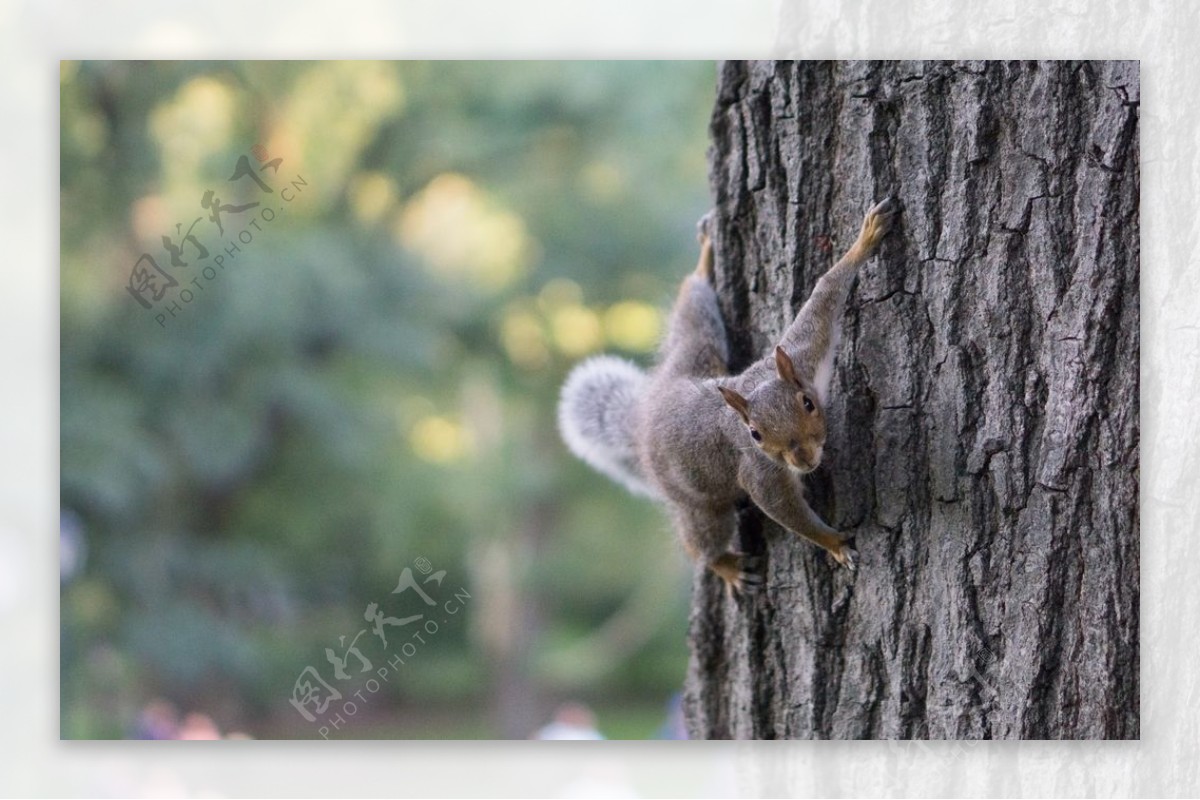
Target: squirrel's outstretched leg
{"x": 779, "y": 493}
{"x": 706, "y": 536}
{"x": 695, "y": 345}
{"x": 812, "y": 338}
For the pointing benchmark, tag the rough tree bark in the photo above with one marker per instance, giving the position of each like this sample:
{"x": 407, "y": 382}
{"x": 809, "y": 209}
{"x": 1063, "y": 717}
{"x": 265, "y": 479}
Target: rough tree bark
{"x": 983, "y": 426}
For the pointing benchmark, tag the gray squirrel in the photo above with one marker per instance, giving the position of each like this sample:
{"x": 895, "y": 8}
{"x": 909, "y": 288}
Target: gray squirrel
{"x": 698, "y": 439}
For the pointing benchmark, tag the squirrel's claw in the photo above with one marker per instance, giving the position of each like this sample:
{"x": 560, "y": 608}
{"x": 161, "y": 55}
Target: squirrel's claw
{"x": 740, "y": 573}
{"x": 888, "y": 205}
{"x": 704, "y": 226}
{"x": 748, "y": 580}
{"x": 749, "y": 583}
{"x": 847, "y": 556}
{"x": 886, "y": 212}
{"x": 748, "y": 562}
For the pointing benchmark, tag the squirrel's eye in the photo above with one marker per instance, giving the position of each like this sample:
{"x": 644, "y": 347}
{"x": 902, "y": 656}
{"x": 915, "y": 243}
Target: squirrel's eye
{"x": 755, "y": 435}
{"x": 808, "y": 404}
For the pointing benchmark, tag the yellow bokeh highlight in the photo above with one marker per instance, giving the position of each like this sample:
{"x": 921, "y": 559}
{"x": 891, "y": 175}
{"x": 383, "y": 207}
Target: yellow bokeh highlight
{"x": 523, "y": 338}
{"x": 577, "y": 330}
{"x": 372, "y": 196}
{"x": 463, "y": 235}
{"x": 193, "y": 125}
{"x": 633, "y": 326}
{"x": 440, "y": 440}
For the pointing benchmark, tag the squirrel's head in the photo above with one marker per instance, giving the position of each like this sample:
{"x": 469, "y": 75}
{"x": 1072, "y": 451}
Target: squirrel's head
{"x": 783, "y": 417}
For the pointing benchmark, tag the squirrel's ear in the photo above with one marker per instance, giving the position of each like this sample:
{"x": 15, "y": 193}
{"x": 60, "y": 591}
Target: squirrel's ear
{"x": 736, "y": 402}
{"x": 785, "y": 367}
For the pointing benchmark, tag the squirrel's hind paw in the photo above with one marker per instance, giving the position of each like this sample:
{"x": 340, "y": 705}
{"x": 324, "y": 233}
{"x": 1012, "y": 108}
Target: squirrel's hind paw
{"x": 740, "y": 572}
{"x": 745, "y": 584}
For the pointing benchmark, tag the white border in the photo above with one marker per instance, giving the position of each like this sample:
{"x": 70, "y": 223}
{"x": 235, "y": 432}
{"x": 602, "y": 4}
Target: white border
{"x": 33, "y": 36}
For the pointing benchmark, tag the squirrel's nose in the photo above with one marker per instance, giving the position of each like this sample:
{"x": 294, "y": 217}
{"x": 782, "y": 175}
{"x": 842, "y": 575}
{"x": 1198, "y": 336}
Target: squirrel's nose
{"x": 806, "y": 460}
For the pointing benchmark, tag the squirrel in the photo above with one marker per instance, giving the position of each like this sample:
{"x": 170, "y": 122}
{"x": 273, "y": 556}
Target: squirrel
{"x": 698, "y": 439}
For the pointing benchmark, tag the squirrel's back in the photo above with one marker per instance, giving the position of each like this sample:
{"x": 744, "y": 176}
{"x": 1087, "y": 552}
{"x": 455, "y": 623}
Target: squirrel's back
{"x": 596, "y": 415}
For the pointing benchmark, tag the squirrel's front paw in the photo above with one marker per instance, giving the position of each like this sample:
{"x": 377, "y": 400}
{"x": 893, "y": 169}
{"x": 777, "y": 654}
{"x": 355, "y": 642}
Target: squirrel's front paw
{"x": 877, "y": 223}
{"x": 847, "y": 556}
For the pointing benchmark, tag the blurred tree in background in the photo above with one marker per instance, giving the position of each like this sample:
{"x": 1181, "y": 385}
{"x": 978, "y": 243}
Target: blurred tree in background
{"x": 370, "y": 380}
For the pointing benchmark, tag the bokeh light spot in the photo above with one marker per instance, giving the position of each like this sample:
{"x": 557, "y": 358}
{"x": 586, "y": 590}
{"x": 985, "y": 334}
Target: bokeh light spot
{"x": 577, "y": 330}
{"x": 463, "y": 234}
{"x": 440, "y": 440}
{"x": 634, "y": 326}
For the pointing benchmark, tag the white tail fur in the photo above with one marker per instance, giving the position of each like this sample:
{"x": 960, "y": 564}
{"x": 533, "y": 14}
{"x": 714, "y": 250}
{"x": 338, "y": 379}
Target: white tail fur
{"x": 596, "y": 418}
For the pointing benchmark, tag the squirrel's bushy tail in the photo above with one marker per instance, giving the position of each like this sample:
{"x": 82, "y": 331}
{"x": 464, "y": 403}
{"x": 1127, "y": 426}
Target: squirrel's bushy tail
{"x": 596, "y": 418}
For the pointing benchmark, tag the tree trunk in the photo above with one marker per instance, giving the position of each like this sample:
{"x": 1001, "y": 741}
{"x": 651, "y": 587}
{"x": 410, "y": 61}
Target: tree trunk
{"x": 983, "y": 420}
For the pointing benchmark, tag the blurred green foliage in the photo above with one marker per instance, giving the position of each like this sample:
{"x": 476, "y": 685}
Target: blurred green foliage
{"x": 370, "y": 380}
